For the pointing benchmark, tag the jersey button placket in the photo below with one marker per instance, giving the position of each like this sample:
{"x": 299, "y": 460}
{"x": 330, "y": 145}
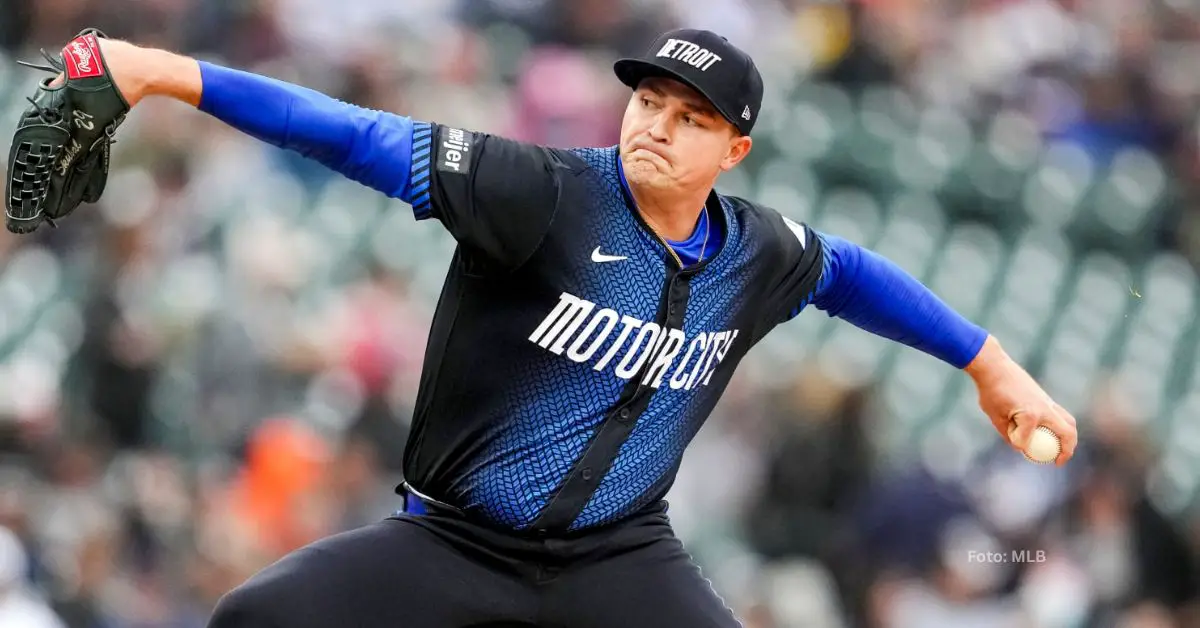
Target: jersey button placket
{"x": 677, "y": 298}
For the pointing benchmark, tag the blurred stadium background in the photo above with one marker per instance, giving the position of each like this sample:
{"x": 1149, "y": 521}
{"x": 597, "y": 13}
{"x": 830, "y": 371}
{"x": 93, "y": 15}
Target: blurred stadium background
{"x": 216, "y": 364}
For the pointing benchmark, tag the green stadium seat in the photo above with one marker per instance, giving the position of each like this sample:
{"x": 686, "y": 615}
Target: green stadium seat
{"x": 913, "y": 233}
{"x": 947, "y": 133}
{"x": 19, "y": 83}
{"x": 995, "y": 187}
{"x": 919, "y": 165}
{"x": 1159, "y": 317}
{"x": 1186, "y": 409}
{"x": 861, "y": 354}
{"x": 928, "y": 159}
{"x": 1055, "y": 191}
{"x": 785, "y": 172}
{"x": 1171, "y": 282}
{"x": 46, "y": 343}
{"x": 1134, "y": 187}
{"x": 851, "y": 214}
{"x": 966, "y": 270}
{"x": 37, "y": 270}
{"x": 821, "y": 115}
{"x": 955, "y": 439}
{"x": 1037, "y": 268}
{"x": 1017, "y": 329}
{"x": 788, "y": 201}
{"x": 391, "y": 240}
{"x": 1014, "y": 141}
{"x": 1069, "y": 385}
{"x": 789, "y": 187}
{"x": 736, "y": 182}
{"x": 1104, "y": 281}
{"x": 981, "y": 191}
{"x": 915, "y": 386}
{"x": 1172, "y": 483}
{"x": 1145, "y": 388}
{"x": 427, "y": 281}
{"x": 65, "y": 318}
{"x": 887, "y": 112}
{"x": 947, "y": 451}
{"x": 919, "y": 207}
{"x": 1183, "y": 446}
{"x": 280, "y": 196}
{"x": 809, "y": 329}
{"x": 337, "y": 224}
{"x": 870, "y": 155}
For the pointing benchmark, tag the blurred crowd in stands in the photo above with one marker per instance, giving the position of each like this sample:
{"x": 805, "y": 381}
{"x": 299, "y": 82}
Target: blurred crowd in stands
{"x": 214, "y": 392}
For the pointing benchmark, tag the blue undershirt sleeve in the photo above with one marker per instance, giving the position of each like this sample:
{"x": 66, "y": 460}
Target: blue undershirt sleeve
{"x": 371, "y": 147}
{"x": 874, "y": 294}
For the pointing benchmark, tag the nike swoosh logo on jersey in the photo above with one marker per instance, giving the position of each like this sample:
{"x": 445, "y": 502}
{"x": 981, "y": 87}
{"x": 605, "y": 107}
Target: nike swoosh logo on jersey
{"x": 600, "y": 258}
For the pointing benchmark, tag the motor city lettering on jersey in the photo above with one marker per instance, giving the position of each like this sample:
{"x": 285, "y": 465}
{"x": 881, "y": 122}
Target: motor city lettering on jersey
{"x": 689, "y": 53}
{"x": 578, "y": 329}
{"x": 454, "y": 153}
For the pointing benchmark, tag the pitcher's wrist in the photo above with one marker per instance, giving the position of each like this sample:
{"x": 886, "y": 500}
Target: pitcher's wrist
{"x": 990, "y": 360}
{"x": 174, "y": 76}
{"x": 141, "y": 72}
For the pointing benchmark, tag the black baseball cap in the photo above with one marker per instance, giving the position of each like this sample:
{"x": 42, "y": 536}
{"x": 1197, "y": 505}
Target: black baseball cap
{"x": 709, "y": 64}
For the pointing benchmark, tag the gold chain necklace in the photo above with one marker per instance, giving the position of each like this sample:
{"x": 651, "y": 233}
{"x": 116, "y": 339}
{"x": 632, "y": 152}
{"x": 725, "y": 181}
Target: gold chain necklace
{"x": 657, "y": 230}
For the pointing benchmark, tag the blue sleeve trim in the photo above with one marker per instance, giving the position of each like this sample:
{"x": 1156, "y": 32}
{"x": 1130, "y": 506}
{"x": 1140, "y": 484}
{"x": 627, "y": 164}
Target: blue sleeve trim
{"x": 371, "y": 147}
{"x": 420, "y": 175}
{"x": 873, "y": 293}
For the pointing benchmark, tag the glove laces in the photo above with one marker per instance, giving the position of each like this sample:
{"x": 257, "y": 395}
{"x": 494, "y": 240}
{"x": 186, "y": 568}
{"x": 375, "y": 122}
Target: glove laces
{"x": 53, "y": 66}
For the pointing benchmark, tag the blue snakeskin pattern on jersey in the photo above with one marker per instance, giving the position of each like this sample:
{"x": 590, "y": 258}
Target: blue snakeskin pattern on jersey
{"x": 675, "y": 415}
{"x": 544, "y": 428}
{"x": 546, "y": 425}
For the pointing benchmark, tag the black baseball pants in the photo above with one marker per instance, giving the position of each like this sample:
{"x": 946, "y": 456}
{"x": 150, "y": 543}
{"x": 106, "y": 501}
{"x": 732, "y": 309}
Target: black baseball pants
{"x": 438, "y": 570}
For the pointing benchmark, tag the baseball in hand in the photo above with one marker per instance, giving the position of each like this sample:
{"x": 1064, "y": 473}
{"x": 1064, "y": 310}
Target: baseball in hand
{"x": 1044, "y": 445}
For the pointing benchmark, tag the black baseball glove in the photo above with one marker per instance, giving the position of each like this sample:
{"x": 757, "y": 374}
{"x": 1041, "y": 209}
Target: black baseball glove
{"x": 59, "y": 155}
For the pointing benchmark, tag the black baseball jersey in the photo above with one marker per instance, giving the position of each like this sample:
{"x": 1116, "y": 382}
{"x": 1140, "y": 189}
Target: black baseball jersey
{"x": 571, "y": 360}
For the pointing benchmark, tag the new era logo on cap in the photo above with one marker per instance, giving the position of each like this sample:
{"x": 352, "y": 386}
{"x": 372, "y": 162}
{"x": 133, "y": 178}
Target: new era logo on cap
{"x": 708, "y": 63}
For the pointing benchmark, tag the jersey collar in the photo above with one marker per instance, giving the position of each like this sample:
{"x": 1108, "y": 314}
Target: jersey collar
{"x": 716, "y": 212}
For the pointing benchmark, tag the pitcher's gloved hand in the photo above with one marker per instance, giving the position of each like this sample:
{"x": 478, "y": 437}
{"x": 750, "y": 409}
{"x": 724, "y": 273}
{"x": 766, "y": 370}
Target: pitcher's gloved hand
{"x": 60, "y": 151}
